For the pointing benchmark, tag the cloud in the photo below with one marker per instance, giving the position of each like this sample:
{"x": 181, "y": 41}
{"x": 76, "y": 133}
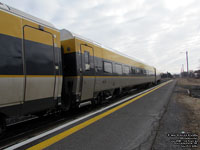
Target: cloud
{"x": 175, "y": 4}
{"x": 154, "y": 30}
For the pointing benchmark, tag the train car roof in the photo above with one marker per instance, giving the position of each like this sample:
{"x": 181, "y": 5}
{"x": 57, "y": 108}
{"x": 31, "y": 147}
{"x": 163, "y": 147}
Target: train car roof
{"x": 25, "y": 15}
{"x": 66, "y": 35}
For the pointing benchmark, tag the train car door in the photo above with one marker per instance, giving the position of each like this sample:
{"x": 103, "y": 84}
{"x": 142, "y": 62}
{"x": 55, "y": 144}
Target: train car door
{"x": 155, "y": 75}
{"x": 88, "y": 72}
{"x": 40, "y": 78}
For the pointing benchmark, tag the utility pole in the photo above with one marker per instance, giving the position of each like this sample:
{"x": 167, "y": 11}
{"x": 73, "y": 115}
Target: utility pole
{"x": 182, "y": 71}
{"x": 187, "y": 63}
{"x": 182, "y": 67}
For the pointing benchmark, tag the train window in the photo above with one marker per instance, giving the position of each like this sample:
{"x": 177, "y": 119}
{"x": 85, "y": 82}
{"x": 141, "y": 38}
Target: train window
{"x": 145, "y": 72}
{"x": 87, "y": 60}
{"x": 141, "y": 71}
{"x": 118, "y": 68}
{"x": 107, "y": 67}
{"x": 133, "y": 70}
{"x": 86, "y": 57}
{"x": 126, "y": 69}
{"x": 137, "y": 71}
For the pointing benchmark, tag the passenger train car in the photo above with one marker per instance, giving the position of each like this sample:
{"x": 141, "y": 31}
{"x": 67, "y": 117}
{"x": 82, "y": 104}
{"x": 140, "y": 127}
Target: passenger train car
{"x": 30, "y": 64}
{"x": 39, "y": 72}
{"x": 92, "y": 72}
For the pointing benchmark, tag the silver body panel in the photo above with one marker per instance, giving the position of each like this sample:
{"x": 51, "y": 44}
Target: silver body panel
{"x": 87, "y": 88}
{"x": 11, "y": 90}
{"x": 39, "y": 87}
{"x": 108, "y": 83}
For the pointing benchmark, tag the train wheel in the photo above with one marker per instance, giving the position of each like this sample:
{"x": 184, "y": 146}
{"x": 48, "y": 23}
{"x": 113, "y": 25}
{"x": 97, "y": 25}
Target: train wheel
{"x": 99, "y": 99}
{"x": 96, "y": 101}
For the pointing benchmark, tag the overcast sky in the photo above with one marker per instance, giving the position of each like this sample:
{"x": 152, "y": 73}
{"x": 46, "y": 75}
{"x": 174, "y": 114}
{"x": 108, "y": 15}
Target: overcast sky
{"x": 155, "y": 31}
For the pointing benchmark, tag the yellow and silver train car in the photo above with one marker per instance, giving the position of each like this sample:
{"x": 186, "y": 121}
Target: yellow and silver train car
{"x": 40, "y": 72}
{"x": 92, "y": 72}
{"x": 30, "y": 64}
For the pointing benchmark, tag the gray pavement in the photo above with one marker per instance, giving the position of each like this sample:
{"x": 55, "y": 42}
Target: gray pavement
{"x": 172, "y": 122}
{"x": 131, "y": 127}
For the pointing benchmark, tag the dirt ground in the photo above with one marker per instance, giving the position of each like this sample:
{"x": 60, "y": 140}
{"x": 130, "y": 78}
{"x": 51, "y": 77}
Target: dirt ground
{"x": 191, "y": 104}
{"x": 182, "y": 116}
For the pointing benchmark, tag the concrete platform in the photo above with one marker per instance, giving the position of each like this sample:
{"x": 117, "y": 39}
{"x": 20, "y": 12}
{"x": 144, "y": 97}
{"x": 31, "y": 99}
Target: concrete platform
{"x": 128, "y": 126}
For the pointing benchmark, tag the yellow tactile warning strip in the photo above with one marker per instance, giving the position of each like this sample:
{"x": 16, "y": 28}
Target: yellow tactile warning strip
{"x": 72, "y": 130}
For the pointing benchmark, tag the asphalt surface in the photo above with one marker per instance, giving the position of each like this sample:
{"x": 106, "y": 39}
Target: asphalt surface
{"x": 131, "y": 127}
{"x": 174, "y": 122}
